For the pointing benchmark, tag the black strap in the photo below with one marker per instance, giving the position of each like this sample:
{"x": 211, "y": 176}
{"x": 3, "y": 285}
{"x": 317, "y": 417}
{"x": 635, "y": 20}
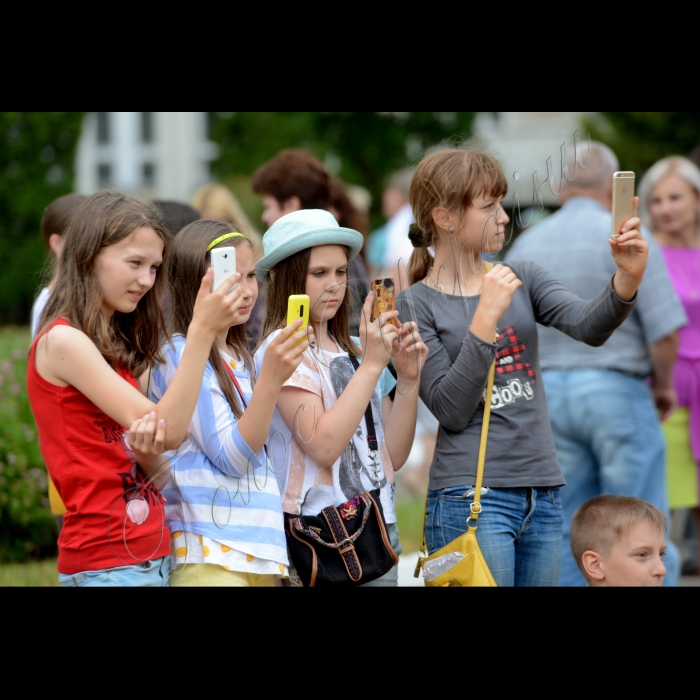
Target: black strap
{"x": 369, "y": 416}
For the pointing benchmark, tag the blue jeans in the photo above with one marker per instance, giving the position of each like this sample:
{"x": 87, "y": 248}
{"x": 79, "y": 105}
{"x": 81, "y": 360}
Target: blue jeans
{"x": 150, "y": 574}
{"x": 609, "y": 441}
{"x": 519, "y": 530}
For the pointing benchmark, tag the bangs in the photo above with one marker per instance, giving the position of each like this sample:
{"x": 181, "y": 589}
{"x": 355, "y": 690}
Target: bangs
{"x": 483, "y": 176}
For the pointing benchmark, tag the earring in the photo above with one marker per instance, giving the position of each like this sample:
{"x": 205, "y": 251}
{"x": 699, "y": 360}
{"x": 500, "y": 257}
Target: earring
{"x": 451, "y": 229}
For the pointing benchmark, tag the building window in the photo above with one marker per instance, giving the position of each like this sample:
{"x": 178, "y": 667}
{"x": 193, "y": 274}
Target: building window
{"x": 147, "y": 127}
{"x": 103, "y": 135}
{"x": 148, "y": 172}
{"x": 104, "y": 175}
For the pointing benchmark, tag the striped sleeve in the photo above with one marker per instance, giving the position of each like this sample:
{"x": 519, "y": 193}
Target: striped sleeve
{"x": 213, "y": 427}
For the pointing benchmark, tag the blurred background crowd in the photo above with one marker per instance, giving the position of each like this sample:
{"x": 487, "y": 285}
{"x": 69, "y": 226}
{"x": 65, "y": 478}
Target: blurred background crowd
{"x": 250, "y": 168}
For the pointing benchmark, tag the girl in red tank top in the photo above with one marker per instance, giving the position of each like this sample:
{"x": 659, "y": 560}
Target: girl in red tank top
{"x": 101, "y": 333}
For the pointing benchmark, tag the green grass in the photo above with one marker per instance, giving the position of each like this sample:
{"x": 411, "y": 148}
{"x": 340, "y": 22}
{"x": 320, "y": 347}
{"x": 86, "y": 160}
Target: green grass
{"x": 409, "y": 516}
{"x": 42, "y": 573}
{"x": 14, "y": 339}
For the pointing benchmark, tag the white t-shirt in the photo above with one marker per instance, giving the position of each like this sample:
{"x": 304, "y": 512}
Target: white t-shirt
{"x": 306, "y": 487}
{"x": 39, "y": 305}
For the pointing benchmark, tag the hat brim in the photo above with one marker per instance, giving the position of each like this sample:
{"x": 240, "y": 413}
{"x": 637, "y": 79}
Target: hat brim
{"x": 327, "y": 236}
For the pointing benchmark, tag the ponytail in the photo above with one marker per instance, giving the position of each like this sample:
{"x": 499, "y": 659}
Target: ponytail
{"x": 421, "y": 260}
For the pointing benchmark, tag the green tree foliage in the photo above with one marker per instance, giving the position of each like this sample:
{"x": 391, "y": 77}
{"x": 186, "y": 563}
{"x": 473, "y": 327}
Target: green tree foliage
{"x": 27, "y": 528}
{"x": 363, "y": 148}
{"x": 639, "y": 139}
{"x": 37, "y": 151}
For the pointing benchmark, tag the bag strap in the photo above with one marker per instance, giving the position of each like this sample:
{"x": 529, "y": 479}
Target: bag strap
{"x": 369, "y": 418}
{"x": 475, "y": 507}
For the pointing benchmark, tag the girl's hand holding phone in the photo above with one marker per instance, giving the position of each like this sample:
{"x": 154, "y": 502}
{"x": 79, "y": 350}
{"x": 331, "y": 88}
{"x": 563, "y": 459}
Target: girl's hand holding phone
{"x": 215, "y": 311}
{"x": 412, "y": 351}
{"x": 378, "y": 337}
{"x": 631, "y": 254}
{"x": 285, "y": 352}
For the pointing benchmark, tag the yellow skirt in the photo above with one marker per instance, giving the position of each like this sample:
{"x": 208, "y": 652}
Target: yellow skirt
{"x": 681, "y": 467}
{"x": 211, "y": 575}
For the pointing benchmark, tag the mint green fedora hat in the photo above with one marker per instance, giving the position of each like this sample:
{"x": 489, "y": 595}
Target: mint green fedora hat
{"x": 301, "y": 230}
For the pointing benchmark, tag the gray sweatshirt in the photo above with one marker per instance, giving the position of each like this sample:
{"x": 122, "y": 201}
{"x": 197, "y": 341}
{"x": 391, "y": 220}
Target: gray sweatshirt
{"x": 520, "y": 449}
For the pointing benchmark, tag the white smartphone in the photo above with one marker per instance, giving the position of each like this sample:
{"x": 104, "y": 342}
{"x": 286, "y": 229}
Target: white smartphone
{"x": 623, "y": 201}
{"x": 223, "y": 262}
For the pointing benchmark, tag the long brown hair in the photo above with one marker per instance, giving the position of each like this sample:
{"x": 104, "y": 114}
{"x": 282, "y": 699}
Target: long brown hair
{"x": 189, "y": 261}
{"x": 131, "y": 340}
{"x": 450, "y": 178}
{"x": 289, "y": 277}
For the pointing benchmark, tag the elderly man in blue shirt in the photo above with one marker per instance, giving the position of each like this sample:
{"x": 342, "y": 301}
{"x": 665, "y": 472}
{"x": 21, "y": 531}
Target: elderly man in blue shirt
{"x": 605, "y": 404}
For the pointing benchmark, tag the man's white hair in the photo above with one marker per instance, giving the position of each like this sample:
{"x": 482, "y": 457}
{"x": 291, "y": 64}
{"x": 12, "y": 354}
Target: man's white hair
{"x": 597, "y": 174}
{"x": 673, "y": 165}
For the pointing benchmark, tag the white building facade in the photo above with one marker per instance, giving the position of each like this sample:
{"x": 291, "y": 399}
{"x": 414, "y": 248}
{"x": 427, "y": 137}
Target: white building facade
{"x": 161, "y": 155}
{"x": 523, "y": 141}
{"x": 167, "y": 155}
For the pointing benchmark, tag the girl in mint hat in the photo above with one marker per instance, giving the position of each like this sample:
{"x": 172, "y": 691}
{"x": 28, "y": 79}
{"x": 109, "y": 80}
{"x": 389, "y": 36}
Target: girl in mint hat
{"x": 318, "y": 439}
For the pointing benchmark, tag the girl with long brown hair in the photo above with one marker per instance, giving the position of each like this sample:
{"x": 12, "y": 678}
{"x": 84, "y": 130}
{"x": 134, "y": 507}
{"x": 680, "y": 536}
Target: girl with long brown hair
{"x": 319, "y": 443}
{"x": 101, "y": 333}
{"x": 223, "y": 502}
{"x": 472, "y": 316}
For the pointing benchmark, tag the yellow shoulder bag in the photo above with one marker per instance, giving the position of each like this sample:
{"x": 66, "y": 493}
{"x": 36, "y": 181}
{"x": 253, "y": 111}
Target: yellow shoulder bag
{"x": 461, "y": 562}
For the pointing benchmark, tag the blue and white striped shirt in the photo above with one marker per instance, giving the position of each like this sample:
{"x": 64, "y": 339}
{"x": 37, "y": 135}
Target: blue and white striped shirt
{"x": 219, "y": 490}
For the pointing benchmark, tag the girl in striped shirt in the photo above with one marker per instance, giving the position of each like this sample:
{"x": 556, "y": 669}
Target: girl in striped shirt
{"x": 223, "y": 502}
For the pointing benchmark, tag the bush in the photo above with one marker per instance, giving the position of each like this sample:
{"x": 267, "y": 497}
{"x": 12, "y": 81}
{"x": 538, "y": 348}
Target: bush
{"x": 37, "y": 155}
{"x": 27, "y": 527}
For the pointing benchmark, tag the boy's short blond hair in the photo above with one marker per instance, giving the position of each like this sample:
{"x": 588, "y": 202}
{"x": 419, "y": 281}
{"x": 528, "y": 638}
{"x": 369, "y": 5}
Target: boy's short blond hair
{"x": 599, "y": 523}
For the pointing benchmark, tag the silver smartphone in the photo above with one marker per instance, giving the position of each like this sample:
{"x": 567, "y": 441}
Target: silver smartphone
{"x": 223, "y": 262}
{"x": 623, "y": 201}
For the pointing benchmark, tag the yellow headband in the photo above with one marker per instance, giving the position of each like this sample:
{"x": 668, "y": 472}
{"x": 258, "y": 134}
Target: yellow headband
{"x": 223, "y": 238}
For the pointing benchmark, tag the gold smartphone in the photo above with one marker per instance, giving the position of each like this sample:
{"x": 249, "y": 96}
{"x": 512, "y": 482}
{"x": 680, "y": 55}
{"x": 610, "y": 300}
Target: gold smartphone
{"x": 298, "y": 307}
{"x": 623, "y": 201}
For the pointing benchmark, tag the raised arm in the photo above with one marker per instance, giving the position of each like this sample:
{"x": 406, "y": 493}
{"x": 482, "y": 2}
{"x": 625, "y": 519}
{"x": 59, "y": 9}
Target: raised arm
{"x": 593, "y": 322}
{"x": 400, "y": 418}
{"x": 281, "y": 359}
{"x": 66, "y": 356}
{"x": 453, "y": 390}
{"x": 325, "y": 434}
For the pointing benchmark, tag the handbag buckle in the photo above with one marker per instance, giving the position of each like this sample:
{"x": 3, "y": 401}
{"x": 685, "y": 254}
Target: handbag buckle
{"x": 345, "y": 546}
{"x": 475, "y": 509}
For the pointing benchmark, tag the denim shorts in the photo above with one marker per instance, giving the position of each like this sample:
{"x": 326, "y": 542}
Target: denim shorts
{"x": 519, "y": 530}
{"x": 150, "y": 574}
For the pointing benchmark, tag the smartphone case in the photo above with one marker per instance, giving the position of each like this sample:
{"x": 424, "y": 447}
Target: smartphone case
{"x": 384, "y": 299}
{"x": 298, "y": 307}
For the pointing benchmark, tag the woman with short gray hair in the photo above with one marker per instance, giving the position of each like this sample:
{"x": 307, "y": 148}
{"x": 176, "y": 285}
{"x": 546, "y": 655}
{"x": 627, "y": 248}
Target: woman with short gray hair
{"x": 670, "y": 199}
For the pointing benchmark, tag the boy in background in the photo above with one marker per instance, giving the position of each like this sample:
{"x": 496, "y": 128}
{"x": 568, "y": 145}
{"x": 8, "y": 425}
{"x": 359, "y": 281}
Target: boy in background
{"x": 619, "y": 541}
{"x": 54, "y": 223}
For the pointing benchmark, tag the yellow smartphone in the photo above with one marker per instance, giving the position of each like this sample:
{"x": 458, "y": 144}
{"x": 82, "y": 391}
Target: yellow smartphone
{"x": 623, "y": 201}
{"x": 298, "y": 307}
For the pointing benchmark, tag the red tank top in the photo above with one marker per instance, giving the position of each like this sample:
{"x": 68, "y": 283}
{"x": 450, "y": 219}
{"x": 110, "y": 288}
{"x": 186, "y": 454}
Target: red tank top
{"x": 113, "y": 518}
